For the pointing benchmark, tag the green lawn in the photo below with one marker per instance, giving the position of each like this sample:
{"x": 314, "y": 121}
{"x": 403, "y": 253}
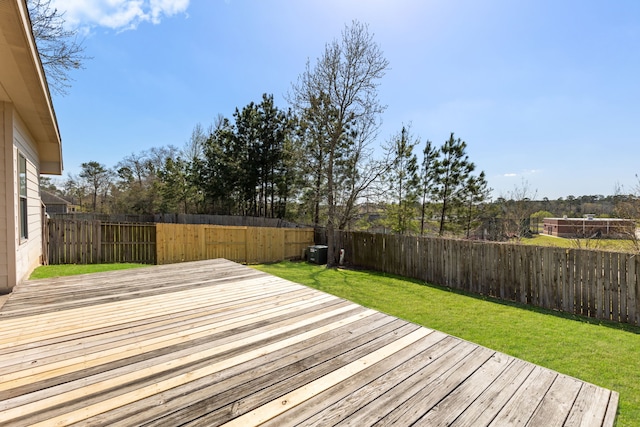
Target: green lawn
{"x": 605, "y": 354}
{"x": 47, "y": 271}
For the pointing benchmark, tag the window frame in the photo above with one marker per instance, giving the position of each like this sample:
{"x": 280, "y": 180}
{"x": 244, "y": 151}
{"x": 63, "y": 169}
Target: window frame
{"x": 23, "y": 201}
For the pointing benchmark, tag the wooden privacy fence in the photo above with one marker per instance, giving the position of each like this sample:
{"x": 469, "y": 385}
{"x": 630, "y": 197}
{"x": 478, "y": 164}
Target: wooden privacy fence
{"x": 604, "y": 285}
{"x": 93, "y": 242}
{"x": 250, "y": 245}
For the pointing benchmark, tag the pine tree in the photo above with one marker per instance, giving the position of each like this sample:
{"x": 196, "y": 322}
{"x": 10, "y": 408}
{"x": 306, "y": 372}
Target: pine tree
{"x": 246, "y": 167}
{"x": 474, "y": 193}
{"x": 453, "y": 169}
{"x": 274, "y": 127}
{"x": 216, "y": 171}
{"x": 428, "y": 176}
{"x": 245, "y": 161}
{"x": 175, "y": 189}
{"x": 403, "y": 183}
{"x": 315, "y": 127}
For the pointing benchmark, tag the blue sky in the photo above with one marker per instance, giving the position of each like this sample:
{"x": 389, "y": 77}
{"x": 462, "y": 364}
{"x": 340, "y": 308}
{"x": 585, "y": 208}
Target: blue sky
{"x": 544, "y": 92}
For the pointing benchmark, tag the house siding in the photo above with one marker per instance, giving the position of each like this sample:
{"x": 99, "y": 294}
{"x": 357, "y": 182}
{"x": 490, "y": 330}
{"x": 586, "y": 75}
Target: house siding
{"x": 18, "y": 257}
{"x": 7, "y": 248}
{"x": 29, "y": 251}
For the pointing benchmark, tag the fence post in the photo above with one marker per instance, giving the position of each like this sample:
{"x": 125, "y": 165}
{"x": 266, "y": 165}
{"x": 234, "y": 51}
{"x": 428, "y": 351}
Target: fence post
{"x": 97, "y": 245}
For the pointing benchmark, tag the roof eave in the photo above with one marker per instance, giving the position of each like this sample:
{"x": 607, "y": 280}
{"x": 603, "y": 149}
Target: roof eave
{"x": 29, "y": 92}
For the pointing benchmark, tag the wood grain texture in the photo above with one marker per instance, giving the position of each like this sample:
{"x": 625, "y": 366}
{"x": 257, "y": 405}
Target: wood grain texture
{"x": 217, "y": 343}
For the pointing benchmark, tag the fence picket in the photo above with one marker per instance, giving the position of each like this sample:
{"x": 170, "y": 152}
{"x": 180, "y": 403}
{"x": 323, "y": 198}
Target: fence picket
{"x": 568, "y": 296}
{"x": 634, "y": 282}
{"x": 631, "y": 288}
{"x": 605, "y": 286}
{"x": 592, "y": 282}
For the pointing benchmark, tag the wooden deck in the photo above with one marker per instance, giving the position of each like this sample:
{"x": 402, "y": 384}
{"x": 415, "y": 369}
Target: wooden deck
{"x": 217, "y": 343}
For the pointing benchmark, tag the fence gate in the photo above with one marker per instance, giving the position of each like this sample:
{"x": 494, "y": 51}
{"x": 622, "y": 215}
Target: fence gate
{"x": 94, "y": 242}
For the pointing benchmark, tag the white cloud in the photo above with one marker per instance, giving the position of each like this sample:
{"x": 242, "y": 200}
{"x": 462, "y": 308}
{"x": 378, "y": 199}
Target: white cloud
{"x": 118, "y": 15}
{"x": 526, "y": 172}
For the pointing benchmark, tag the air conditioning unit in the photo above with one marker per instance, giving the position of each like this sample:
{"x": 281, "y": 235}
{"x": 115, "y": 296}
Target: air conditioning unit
{"x": 318, "y": 254}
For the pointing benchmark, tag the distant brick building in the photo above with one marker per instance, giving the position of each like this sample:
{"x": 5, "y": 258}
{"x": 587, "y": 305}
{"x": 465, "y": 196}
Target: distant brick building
{"x": 589, "y": 227}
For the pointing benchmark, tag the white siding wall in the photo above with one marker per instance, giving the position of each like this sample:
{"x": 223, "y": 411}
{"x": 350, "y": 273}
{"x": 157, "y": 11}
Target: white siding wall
{"x": 29, "y": 251}
{"x": 7, "y": 255}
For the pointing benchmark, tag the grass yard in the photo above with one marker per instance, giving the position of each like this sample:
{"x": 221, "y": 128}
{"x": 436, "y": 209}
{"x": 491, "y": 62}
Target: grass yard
{"x": 48, "y": 271}
{"x": 605, "y": 354}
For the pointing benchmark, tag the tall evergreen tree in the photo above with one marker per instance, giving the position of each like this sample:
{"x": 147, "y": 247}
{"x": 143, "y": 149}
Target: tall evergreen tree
{"x": 403, "y": 183}
{"x": 215, "y": 172}
{"x": 315, "y": 127}
{"x": 246, "y": 166}
{"x": 428, "y": 175}
{"x": 474, "y": 193}
{"x": 288, "y": 172}
{"x": 274, "y": 131}
{"x": 246, "y": 159}
{"x": 453, "y": 169}
{"x": 177, "y": 190}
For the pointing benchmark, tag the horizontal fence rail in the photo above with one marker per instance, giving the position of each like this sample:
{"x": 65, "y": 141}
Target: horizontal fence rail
{"x": 599, "y": 284}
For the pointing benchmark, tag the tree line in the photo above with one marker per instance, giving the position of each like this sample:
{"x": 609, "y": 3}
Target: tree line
{"x": 318, "y": 162}
{"x": 224, "y": 171}
{"x": 314, "y": 162}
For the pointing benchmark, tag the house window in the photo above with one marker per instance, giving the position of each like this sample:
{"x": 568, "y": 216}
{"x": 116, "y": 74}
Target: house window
{"x": 22, "y": 175}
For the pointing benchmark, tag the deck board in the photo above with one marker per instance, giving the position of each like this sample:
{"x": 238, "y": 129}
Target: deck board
{"x": 217, "y": 343}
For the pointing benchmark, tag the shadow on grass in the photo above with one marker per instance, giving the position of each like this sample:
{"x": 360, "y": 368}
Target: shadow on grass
{"x": 556, "y": 313}
{"x": 313, "y": 272}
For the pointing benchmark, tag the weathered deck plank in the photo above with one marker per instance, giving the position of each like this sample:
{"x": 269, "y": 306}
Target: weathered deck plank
{"x": 217, "y": 343}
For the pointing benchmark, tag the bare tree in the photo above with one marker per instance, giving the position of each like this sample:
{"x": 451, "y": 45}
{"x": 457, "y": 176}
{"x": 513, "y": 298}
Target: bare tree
{"x": 193, "y": 148}
{"x": 345, "y": 79}
{"x": 516, "y": 210}
{"x": 627, "y": 206}
{"x": 75, "y": 189}
{"x": 59, "y": 48}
